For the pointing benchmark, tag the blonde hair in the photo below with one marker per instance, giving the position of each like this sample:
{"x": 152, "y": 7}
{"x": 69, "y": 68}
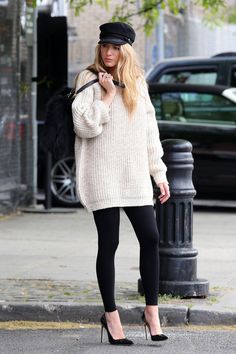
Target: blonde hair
{"x": 128, "y": 71}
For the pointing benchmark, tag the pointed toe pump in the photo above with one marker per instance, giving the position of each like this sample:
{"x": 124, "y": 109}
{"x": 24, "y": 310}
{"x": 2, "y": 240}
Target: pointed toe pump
{"x": 122, "y": 341}
{"x": 155, "y": 337}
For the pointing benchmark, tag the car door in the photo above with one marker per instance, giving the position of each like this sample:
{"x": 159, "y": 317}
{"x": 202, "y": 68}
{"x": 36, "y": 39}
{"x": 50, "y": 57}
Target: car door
{"x": 201, "y": 115}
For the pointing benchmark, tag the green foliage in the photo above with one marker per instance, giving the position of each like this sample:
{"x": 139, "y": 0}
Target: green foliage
{"x": 213, "y": 11}
{"x": 213, "y": 5}
{"x": 31, "y": 3}
{"x": 231, "y": 18}
{"x": 24, "y": 88}
{"x": 148, "y": 10}
{"x": 166, "y": 298}
{"x": 80, "y": 5}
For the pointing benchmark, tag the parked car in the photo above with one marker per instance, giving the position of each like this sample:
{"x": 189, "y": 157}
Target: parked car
{"x": 189, "y": 106}
{"x": 204, "y": 115}
{"x": 62, "y": 186}
{"x": 217, "y": 70}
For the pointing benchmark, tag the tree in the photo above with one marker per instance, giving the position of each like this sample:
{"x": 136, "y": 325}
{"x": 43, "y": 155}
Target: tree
{"x": 148, "y": 10}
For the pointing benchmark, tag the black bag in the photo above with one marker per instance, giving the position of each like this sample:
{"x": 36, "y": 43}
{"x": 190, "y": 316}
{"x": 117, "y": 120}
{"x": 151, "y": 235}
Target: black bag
{"x": 58, "y": 135}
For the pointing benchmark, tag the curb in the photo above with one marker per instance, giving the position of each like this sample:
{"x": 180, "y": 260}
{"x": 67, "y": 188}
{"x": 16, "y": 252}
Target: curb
{"x": 202, "y": 316}
{"x": 170, "y": 315}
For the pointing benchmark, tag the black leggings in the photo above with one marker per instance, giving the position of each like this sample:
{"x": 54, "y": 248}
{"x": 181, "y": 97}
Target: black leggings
{"x": 143, "y": 221}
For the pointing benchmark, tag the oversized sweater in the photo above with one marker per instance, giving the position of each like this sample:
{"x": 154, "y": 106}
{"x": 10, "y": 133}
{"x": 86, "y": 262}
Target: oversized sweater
{"x": 115, "y": 154}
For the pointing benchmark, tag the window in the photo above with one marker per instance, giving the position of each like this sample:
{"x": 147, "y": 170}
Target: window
{"x": 194, "y": 107}
{"x": 189, "y": 76}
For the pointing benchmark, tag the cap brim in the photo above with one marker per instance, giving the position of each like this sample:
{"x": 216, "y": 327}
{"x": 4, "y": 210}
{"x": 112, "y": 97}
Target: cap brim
{"x": 111, "y": 40}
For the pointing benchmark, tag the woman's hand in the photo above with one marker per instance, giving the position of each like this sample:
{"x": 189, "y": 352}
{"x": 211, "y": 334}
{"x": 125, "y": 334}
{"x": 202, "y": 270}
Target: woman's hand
{"x": 165, "y": 192}
{"x": 105, "y": 80}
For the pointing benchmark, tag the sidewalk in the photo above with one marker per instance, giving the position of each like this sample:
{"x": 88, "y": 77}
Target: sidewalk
{"x": 47, "y": 264}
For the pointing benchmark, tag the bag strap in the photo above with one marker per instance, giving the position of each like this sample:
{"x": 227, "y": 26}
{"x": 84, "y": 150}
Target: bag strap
{"x": 115, "y": 82}
{"x": 90, "y": 83}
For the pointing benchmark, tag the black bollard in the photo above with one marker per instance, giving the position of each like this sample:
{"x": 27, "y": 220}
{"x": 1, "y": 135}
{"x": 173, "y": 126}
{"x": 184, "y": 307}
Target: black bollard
{"x": 178, "y": 258}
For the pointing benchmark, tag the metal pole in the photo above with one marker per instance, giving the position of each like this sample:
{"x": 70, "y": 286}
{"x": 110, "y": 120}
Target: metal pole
{"x": 34, "y": 108}
{"x": 17, "y": 83}
{"x": 160, "y": 35}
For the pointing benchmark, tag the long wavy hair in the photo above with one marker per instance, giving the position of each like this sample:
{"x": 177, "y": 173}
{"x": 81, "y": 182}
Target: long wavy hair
{"x": 128, "y": 71}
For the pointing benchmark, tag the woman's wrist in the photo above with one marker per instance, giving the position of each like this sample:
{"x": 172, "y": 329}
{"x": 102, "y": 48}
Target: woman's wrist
{"x": 108, "y": 98}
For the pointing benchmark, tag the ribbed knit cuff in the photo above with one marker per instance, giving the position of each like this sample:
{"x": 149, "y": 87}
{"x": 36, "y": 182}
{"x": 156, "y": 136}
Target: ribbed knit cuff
{"x": 160, "y": 177}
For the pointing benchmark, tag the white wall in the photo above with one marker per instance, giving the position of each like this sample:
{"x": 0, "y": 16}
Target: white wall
{"x": 201, "y": 40}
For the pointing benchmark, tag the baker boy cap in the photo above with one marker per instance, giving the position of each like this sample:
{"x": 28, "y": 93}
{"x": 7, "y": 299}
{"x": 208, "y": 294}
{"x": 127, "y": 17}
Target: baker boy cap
{"x": 116, "y": 33}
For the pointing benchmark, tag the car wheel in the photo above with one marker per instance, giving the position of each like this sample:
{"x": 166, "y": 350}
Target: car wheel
{"x": 63, "y": 184}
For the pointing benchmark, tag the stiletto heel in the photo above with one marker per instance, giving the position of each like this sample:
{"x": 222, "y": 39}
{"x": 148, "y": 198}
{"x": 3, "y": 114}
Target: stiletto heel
{"x": 101, "y": 333}
{"x": 123, "y": 341}
{"x": 145, "y": 329}
{"x": 155, "y": 337}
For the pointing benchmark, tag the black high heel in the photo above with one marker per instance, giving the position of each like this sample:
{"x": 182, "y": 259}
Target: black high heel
{"x": 155, "y": 337}
{"x": 123, "y": 341}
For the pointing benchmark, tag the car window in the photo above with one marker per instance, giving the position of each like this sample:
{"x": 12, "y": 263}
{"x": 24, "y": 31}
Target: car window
{"x": 233, "y": 76}
{"x": 194, "y": 108}
{"x": 189, "y": 76}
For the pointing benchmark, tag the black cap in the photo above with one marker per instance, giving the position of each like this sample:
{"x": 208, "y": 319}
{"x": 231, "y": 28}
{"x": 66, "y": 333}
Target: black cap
{"x": 116, "y": 33}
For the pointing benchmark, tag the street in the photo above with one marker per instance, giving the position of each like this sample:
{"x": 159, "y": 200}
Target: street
{"x": 48, "y": 261}
{"x": 183, "y": 340}
{"x": 107, "y": 142}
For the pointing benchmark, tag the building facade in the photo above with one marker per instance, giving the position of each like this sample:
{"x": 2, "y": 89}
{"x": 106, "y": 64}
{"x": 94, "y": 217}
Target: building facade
{"x": 15, "y": 122}
{"x": 184, "y": 35}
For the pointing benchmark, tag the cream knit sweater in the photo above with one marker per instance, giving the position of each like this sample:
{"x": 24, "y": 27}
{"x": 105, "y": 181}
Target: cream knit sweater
{"x": 115, "y": 155}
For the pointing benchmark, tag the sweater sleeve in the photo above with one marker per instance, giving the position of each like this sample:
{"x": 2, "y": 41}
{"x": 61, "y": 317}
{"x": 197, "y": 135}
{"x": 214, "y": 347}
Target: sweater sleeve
{"x": 89, "y": 114}
{"x": 157, "y": 168}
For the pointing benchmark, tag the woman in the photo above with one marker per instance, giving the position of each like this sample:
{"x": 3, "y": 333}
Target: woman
{"x": 117, "y": 148}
